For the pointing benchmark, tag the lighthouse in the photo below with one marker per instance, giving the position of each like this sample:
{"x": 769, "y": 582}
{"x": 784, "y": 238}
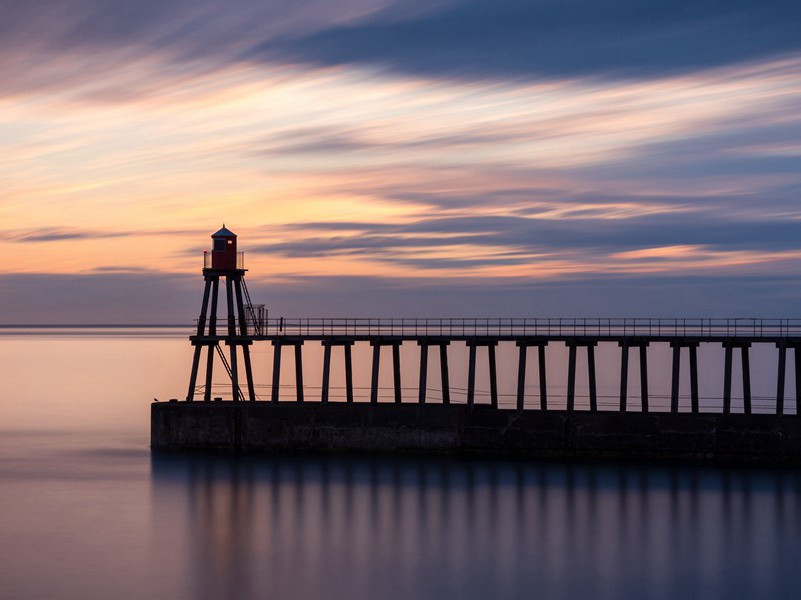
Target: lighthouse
{"x": 224, "y": 263}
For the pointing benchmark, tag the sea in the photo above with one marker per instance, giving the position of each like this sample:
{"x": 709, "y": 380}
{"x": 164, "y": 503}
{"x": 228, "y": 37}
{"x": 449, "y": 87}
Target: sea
{"x": 87, "y": 511}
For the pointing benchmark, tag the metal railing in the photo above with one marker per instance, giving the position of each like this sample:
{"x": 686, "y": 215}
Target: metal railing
{"x": 514, "y": 327}
{"x": 207, "y": 260}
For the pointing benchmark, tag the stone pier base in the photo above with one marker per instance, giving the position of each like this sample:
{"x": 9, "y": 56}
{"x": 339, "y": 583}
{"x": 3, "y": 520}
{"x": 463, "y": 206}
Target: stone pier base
{"x": 454, "y": 429}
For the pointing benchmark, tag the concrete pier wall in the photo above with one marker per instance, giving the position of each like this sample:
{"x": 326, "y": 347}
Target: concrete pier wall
{"x": 453, "y": 429}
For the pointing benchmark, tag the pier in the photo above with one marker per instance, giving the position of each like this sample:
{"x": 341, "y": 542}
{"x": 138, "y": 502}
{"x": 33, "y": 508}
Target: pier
{"x": 539, "y": 425}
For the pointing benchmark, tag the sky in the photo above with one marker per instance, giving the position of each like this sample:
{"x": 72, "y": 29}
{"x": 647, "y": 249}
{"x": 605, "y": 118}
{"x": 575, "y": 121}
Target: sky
{"x": 401, "y": 158}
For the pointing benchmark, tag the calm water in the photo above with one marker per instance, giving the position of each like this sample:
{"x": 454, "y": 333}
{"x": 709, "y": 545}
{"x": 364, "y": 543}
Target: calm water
{"x": 87, "y": 512}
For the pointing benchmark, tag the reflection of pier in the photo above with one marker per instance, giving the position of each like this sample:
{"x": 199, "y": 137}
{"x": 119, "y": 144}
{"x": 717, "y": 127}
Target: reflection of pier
{"x": 441, "y": 528}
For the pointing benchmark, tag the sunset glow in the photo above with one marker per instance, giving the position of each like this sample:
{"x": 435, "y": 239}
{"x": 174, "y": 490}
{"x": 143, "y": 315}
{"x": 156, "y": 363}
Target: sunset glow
{"x": 121, "y": 156}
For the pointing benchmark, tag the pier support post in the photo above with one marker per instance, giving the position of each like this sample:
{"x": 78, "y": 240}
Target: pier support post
{"x": 215, "y": 286}
{"x": 521, "y": 376}
{"x": 694, "y": 400}
{"x": 727, "y": 380}
{"x": 376, "y": 344}
{"x": 424, "y": 344}
{"x": 746, "y": 367}
{"x": 677, "y": 345}
{"x": 625, "y": 346}
{"x": 229, "y": 295}
{"x": 374, "y": 377}
{"x": 571, "y": 377}
{"x": 326, "y": 384}
{"x": 396, "y": 372}
{"x": 278, "y": 345}
{"x": 201, "y": 328}
{"x": 326, "y": 371}
{"x": 782, "y": 346}
{"x": 421, "y": 395}
{"x": 472, "y": 344}
{"x": 243, "y": 331}
{"x": 524, "y": 344}
{"x": 572, "y": 344}
{"x": 624, "y": 374}
{"x": 674, "y": 386}
{"x": 644, "y": 377}
{"x": 591, "y": 375}
{"x": 299, "y": 371}
{"x": 729, "y": 346}
{"x": 471, "y": 376}
{"x": 443, "y": 366}
{"x": 493, "y": 376}
{"x": 348, "y": 373}
{"x": 543, "y": 381}
{"x": 276, "y": 371}
{"x": 797, "y": 357}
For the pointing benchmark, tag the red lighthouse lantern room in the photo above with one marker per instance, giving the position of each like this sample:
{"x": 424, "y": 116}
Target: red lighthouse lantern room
{"x": 223, "y": 251}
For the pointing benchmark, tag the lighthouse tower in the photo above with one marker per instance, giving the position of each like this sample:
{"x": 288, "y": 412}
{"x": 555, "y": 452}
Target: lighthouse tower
{"x": 227, "y": 263}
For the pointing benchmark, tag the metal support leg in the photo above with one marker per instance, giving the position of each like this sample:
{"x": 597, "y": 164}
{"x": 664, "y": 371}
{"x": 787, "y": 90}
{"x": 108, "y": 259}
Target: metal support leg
{"x": 493, "y": 376}
{"x": 694, "y": 379}
{"x": 521, "y": 377}
{"x": 674, "y": 387}
{"x": 471, "y": 377}
{"x": 374, "y": 380}
{"x": 396, "y": 373}
{"x": 443, "y": 366}
{"x": 348, "y": 373}
{"x": 644, "y": 378}
{"x": 326, "y": 371}
{"x": 201, "y": 329}
{"x": 299, "y": 372}
{"x": 234, "y": 375}
{"x": 727, "y": 381}
{"x": 249, "y": 373}
{"x": 624, "y": 375}
{"x": 797, "y": 356}
{"x": 421, "y": 395}
{"x": 780, "y": 379}
{"x": 201, "y": 322}
{"x": 229, "y": 293}
{"x": 190, "y": 394}
{"x": 276, "y": 372}
{"x": 571, "y": 378}
{"x": 543, "y": 380}
{"x": 209, "y": 373}
{"x": 243, "y": 331}
{"x": 591, "y": 375}
{"x": 746, "y": 380}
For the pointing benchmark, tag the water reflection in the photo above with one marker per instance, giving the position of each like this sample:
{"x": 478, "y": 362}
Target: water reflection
{"x": 401, "y": 528}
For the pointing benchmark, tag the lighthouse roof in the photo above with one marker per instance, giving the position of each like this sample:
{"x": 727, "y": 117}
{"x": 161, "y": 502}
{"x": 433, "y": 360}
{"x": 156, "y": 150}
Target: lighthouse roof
{"x": 224, "y": 232}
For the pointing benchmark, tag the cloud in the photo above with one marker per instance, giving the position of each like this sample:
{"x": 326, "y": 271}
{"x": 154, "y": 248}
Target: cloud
{"x": 475, "y": 39}
{"x": 66, "y": 234}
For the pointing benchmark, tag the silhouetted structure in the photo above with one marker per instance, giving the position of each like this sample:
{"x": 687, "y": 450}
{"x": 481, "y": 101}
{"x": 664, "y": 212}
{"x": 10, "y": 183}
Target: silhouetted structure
{"x": 246, "y": 325}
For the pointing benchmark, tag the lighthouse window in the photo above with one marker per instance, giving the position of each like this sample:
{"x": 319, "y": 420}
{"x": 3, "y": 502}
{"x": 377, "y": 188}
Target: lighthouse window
{"x": 219, "y": 245}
